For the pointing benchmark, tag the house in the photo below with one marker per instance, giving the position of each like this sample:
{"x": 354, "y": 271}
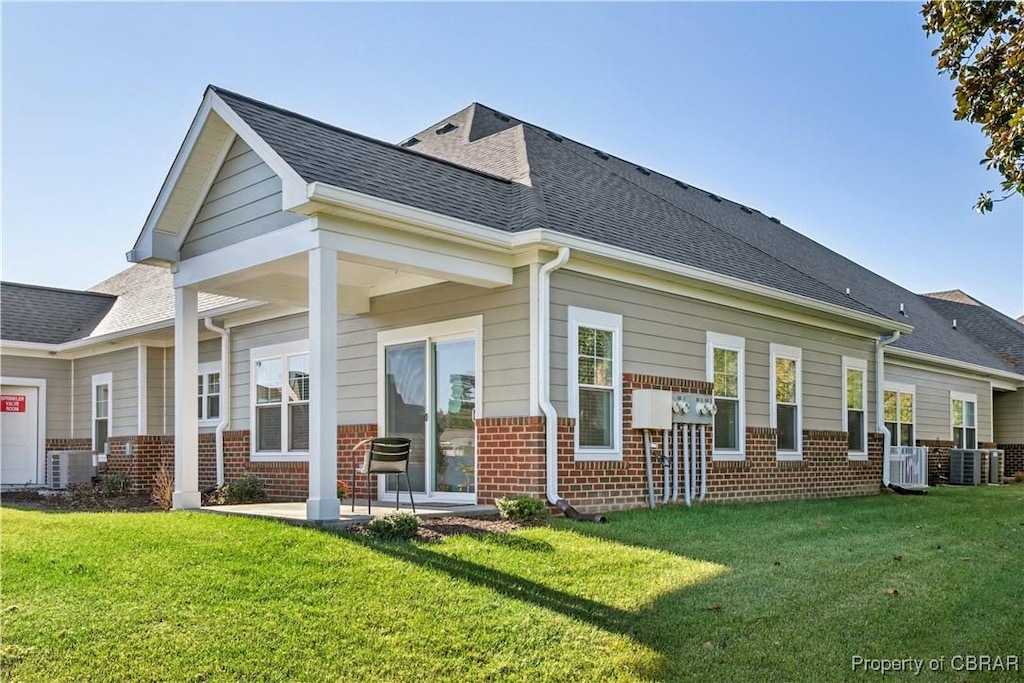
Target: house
{"x": 495, "y": 292}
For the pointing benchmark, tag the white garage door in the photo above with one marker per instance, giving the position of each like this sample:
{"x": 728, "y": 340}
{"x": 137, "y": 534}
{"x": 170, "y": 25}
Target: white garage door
{"x": 19, "y": 435}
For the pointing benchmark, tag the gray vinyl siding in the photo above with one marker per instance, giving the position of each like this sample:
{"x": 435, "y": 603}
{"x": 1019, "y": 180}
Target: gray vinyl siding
{"x": 248, "y": 337}
{"x": 57, "y": 374}
{"x": 1008, "y": 416}
{"x": 124, "y": 366}
{"x": 159, "y": 390}
{"x": 666, "y": 335}
{"x": 932, "y": 408}
{"x": 506, "y": 346}
{"x": 244, "y": 201}
{"x": 506, "y": 343}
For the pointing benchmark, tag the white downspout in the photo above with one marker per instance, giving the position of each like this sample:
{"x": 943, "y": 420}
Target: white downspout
{"x": 880, "y": 345}
{"x": 225, "y": 392}
{"x": 543, "y": 342}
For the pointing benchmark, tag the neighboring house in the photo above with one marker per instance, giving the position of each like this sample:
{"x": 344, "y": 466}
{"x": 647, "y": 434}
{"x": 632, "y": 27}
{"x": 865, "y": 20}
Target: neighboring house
{"x": 495, "y": 292}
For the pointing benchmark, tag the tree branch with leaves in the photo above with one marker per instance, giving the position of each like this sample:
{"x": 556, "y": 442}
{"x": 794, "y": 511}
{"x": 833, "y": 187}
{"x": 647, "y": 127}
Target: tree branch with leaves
{"x": 982, "y": 49}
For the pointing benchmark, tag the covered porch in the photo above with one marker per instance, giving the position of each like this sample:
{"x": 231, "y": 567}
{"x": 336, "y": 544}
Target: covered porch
{"x": 331, "y": 269}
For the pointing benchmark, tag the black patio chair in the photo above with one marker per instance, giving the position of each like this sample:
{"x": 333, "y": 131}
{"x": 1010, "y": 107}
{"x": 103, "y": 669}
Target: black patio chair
{"x": 386, "y": 455}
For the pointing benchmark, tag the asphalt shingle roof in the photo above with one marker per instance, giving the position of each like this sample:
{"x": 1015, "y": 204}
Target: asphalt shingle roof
{"x": 998, "y": 332}
{"x": 489, "y": 168}
{"x": 46, "y": 315}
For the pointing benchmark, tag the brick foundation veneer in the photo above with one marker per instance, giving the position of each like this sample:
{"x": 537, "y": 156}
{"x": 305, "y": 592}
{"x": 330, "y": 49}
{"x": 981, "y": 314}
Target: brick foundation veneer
{"x": 68, "y": 445}
{"x": 509, "y": 457}
{"x": 938, "y": 459}
{"x": 1014, "y": 458}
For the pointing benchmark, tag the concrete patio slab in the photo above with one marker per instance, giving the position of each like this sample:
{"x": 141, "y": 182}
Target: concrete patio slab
{"x": 295, "y": 512}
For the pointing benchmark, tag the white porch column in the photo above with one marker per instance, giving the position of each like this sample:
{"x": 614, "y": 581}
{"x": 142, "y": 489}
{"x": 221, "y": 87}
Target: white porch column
{"x": 186, "y": 420}
{"x": 323, "y": 502}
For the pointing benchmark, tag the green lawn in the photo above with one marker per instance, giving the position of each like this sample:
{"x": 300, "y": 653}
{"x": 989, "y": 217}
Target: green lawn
{"x": 786, "y": 591}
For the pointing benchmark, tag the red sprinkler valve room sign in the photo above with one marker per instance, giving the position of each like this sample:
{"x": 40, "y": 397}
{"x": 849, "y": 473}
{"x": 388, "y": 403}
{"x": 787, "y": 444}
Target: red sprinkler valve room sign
{"x": 12, "y": 403}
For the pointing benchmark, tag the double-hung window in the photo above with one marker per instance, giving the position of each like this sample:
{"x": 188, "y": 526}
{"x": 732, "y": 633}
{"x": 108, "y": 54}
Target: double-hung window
{"x": 209, "y": 392}
{"x": 725, "y": 370}
{"x": 102, "y": 410}
{"x": 786, "y": 409}
{"x": 964, "y": 409}
{"x": 855, "y": 393}
{"x": 280, "y": 400}
{"x": 595, "y": 383}
{"x": 898, "y": 411}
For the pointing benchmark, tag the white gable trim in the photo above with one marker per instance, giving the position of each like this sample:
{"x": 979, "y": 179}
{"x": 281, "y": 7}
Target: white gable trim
{"x": 162, "y": 246}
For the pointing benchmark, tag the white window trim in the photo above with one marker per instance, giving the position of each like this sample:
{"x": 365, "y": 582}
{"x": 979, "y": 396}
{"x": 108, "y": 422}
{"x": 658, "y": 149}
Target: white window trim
{"x": 793, "y": 353}
{"x": 962, "y": 396}
{"x": 911, "y": 389}
{"x": 431, "y": 332}
{"x": 716, "y": 340}
{"x": 861, "y": 365}
{"x": 204, "y": 370}
{"x": 99, "y": 380}
{"x": 601, "y": 320}
{"x": 267, "y": 353}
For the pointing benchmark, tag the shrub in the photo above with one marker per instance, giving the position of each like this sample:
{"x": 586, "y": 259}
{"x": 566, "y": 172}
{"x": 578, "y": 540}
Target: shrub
{"x": 114, "y": 484}
{"x": 521, "y": 508}
{"x": 246, "y": 489}
{"x": 163, "y": 489}
{"x": 343, "y": 491}
{"x": 1018, "y": 477}
{"x": 398, "y": 526}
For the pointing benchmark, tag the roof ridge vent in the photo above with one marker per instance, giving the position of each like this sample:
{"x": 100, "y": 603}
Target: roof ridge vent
{"x": 446, "y": 128}
{"x": 681, "y": 184}
{"x": 746, "y": 209}
{"x": 411, "y": 142}
{"x": 714, "y": 197}
{"x": 643, "y": 170}
{"x": 773, "y": 219}
{"x": 600, "y": 155}
{"x": 553, "y": 136}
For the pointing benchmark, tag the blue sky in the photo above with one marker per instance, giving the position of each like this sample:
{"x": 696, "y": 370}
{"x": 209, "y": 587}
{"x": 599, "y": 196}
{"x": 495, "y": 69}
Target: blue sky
{"x": 829, "y": 116}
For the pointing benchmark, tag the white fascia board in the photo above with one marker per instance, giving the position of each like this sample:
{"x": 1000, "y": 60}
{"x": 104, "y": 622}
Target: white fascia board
{"x": 81, "y": 347}
{"x": 949, "y": 366}
{"x": 578, "y": 244}
{"x": 411, "y": 216}
{"x": 272, "y": 246}
{"x": 144, "y": 243}
{"x": 293, "y": 187}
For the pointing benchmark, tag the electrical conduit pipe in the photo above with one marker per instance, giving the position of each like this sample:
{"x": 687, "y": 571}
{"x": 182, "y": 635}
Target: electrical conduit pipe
{"x": 225, "y": 392}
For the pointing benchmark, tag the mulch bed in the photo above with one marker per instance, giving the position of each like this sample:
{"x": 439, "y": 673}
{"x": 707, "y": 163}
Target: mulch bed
{"x": 80, "y": 500}
{"x": 436, "y": 528}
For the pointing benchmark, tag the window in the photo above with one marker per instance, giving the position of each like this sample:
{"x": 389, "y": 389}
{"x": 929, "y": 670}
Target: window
{"x": 855, "y": 392}
{"x": 965, "y": 419}
{"x": 280, "y": 400}
{"x": 898, "y": 411}
{"x": 209, "y": 392}
{"x": 785, "y": 394}
{"x": 725, "y": 370}
{"x": 595, "y": 383}
{"x": 102, "y": 411}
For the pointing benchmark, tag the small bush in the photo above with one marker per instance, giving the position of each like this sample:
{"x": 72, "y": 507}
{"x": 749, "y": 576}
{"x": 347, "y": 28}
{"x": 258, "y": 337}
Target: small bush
{"x": 521, "y": 508}
{"x": 163, "y": 489}
{"x": 114, "y": 484}
{"x": 246, "y": 489}
{"x": 343, "y": 491}
{"x": 398, "y": 526}
{"x": 1018, "y": 477}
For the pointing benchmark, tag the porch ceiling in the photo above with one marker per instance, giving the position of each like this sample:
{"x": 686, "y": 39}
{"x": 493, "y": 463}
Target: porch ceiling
{"x": 286, "y": 281}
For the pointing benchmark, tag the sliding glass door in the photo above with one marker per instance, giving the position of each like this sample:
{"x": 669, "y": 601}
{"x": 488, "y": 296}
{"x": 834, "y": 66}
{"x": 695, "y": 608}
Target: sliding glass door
{"x": 430, "y": 397}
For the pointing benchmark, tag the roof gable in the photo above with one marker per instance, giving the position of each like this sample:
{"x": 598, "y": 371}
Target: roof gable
{"x": 985, "y": 325}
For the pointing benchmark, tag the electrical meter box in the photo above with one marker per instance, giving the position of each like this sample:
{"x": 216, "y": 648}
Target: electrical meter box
{"x": 693, "y": 409}
{"x": 652, "y": 409}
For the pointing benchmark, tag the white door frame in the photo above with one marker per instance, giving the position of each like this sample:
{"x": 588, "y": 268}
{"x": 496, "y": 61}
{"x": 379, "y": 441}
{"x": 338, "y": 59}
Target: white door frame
{"x": 459, "y": 328}
{"x": 40, "y": 385}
